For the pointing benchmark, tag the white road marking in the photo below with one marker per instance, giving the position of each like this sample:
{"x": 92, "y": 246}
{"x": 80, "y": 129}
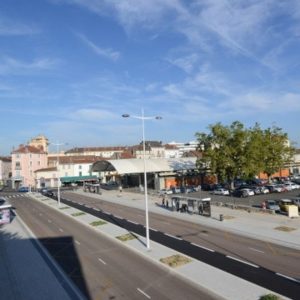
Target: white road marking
{"x": 287, "y": 277}
{"x": 102, "y": 261}
{"x": 142, "y": 292}
{"x": 153, "y": 229}
{"x": 116, "y": 216}
{"x": 202, "y": 247}
{"x": 256, "y": 250}
{"x": 49, "y": 221}
{"x": 78, "y": 243}
{"x": 141, "y": 215}
{"x": 96, "y": 209}
{"x": 133, "y": 222}
{"x": 173, "y": 236}
{"x": 61, "y": 230}
{"x": 242, "y": 261}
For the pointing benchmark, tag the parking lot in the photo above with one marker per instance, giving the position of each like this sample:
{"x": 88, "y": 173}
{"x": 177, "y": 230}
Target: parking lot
{"x": 255, "y": 200}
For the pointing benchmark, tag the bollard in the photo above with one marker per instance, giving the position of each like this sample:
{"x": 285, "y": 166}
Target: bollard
{"x": 221, "y": 218}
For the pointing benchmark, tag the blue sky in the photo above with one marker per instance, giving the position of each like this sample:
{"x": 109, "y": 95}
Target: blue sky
{"x": 70, "y": 68}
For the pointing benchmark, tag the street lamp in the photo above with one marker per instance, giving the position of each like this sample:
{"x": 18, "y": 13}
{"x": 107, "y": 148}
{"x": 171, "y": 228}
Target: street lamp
{"x": 143, "y": 118}
{"x": 57, "y": 167}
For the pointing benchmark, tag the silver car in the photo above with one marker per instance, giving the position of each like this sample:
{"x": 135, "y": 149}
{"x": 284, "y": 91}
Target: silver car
{"x": 272, "y": 205}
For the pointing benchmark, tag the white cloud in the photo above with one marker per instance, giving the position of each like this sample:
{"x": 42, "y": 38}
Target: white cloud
{"x": 105, "y": 52}
{"x": 9, "y": 28}
{"x": 186, "y": 63}
{"x": 92, "y": 115}
{"x": 12, "y": 66}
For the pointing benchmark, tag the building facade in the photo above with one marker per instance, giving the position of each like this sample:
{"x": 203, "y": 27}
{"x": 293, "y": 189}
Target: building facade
{"x": 26, "y": 159}
{"x": 5, "y": 170}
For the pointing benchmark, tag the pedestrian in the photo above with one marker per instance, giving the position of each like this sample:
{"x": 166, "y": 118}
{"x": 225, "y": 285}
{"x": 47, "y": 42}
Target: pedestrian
{"x": 163, "y": 200}
{"x": 167, "y": 203}
{"x": 120, "y": 189}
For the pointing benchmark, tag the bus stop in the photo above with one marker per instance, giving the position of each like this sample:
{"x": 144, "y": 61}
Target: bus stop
{"x": 191, "y": 205}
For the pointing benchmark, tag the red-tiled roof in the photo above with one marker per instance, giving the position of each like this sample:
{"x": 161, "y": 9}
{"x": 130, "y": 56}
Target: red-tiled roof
{"x": 46, "y": 170}
{"x": 28, "y": 149}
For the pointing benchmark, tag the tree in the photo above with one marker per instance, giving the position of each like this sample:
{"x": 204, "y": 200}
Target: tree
{"x": 234, "y": 151}
{"x": 276, "y": 152}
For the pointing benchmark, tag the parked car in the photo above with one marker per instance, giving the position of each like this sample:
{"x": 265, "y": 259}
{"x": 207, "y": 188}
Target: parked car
{"x": 244, "y": 192}
{"x": 274, "y": 188}
{"x": 264, "y": 190}
{"x": 111, "y": 185}
{"x": 175, "y": 189}
{"x": 291, "y": 185}
{"x": 23, "y": 189}
{"x": 220, "y": 191}
{"x": 2, "y": 201}
{"x": 272, "y": 205}
{"x": 284, "y": 204}
{"x": 165, "y": 192}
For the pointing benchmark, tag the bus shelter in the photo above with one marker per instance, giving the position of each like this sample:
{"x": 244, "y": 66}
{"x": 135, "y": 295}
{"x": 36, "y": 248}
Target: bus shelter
{"x": 192, "y": 205}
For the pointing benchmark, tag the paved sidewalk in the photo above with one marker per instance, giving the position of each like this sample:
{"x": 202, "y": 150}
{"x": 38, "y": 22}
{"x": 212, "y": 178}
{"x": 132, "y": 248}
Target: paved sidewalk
{"x": 223, "y": 284}
{"x": 27, "y": 273}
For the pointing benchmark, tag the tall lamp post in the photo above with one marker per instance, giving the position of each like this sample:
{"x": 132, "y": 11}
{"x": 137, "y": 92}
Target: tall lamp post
{"x": 143, "y": 118}
{"x": 57, "y": 166}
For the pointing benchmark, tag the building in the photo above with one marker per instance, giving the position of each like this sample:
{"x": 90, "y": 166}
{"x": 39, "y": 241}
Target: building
{"x": 105, "y": 152}
{"x": 26, "y": 159}
{"x": 68, "y": 169}
{"x": 5, "y": 170}
{"x": 40, "y": 142}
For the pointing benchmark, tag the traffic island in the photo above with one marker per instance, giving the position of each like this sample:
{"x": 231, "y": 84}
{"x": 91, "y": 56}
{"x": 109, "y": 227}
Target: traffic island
{"x": 175, "y": 261}
{"x": 126, "y": 237}
{"x": 285, "y": 228}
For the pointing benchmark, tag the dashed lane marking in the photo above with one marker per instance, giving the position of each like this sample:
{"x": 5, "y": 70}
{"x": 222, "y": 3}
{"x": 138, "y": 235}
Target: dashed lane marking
{"x": 102, "y": 261}
{"x": 242, "y": 261}
{"x": 287, "y": 277}
{"x": 78, "y": 243}
{"x": 173, "y": 236}
{"x": 256, "y": 250}
{"x": 202, "y": 247}
{"x": 142, "y": 292}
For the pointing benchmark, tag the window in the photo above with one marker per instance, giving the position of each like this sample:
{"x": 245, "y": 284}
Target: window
{"x": 80, "y": 173}
{"x": 18, "y": 165}
{"x": 80, "y": 167}
{"x": 39, "y": 163}
{"x": 66, "y": 174}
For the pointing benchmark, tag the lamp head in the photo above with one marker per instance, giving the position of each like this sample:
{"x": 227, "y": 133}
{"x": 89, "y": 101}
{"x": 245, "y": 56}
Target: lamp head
{"x": 125, "y": 115}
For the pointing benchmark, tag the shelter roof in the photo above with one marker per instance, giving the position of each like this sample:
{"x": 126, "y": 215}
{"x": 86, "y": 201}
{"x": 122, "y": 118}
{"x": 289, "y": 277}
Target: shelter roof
{"x": 136, "y": 166}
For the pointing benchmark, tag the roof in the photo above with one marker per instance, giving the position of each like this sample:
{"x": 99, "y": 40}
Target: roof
{"x": 135, "y": 166}
{"x": 94, "y": 149}
{"x": 29, "y": 149}
{"x": 46, "y": 170}
{"x": 82, "y": 159}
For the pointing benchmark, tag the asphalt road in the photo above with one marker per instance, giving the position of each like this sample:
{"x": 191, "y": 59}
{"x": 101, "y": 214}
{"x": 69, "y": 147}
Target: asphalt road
{"x": 100, "y": 267}
{"x": 261, "y": 261}
{"x": 270, "y": 256}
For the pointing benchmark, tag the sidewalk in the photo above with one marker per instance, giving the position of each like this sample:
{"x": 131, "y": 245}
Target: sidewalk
{"x": 28, "y": 273}
{"x": 223, "y": 284}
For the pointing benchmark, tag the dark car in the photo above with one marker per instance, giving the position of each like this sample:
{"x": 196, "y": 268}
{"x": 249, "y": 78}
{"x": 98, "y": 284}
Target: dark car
{"x": 2, "y": 201}
{"x": 111, "y": 185}
{"x": 23, "y": 189}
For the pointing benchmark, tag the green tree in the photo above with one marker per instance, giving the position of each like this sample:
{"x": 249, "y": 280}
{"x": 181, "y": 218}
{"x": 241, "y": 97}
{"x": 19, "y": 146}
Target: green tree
{"x": 234, "y": 151}
{"x": 276, "y": 151}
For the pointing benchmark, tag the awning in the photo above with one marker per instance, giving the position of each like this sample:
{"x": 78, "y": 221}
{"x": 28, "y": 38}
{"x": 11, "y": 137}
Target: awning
{"x": 70, "y": 179}
{"x": 136, "y": 166}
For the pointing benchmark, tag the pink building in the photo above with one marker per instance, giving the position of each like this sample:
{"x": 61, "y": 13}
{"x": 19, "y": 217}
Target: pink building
{"x": 25, "y": 160}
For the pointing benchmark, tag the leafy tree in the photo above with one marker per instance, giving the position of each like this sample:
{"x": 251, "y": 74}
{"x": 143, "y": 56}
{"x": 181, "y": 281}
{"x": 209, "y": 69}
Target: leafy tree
{"x": 276, "y": 151}
{"x": 234, "y": 151}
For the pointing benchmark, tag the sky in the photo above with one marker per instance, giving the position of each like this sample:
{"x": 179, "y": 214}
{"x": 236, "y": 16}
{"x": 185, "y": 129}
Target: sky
{"x": 69, "y": 69}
